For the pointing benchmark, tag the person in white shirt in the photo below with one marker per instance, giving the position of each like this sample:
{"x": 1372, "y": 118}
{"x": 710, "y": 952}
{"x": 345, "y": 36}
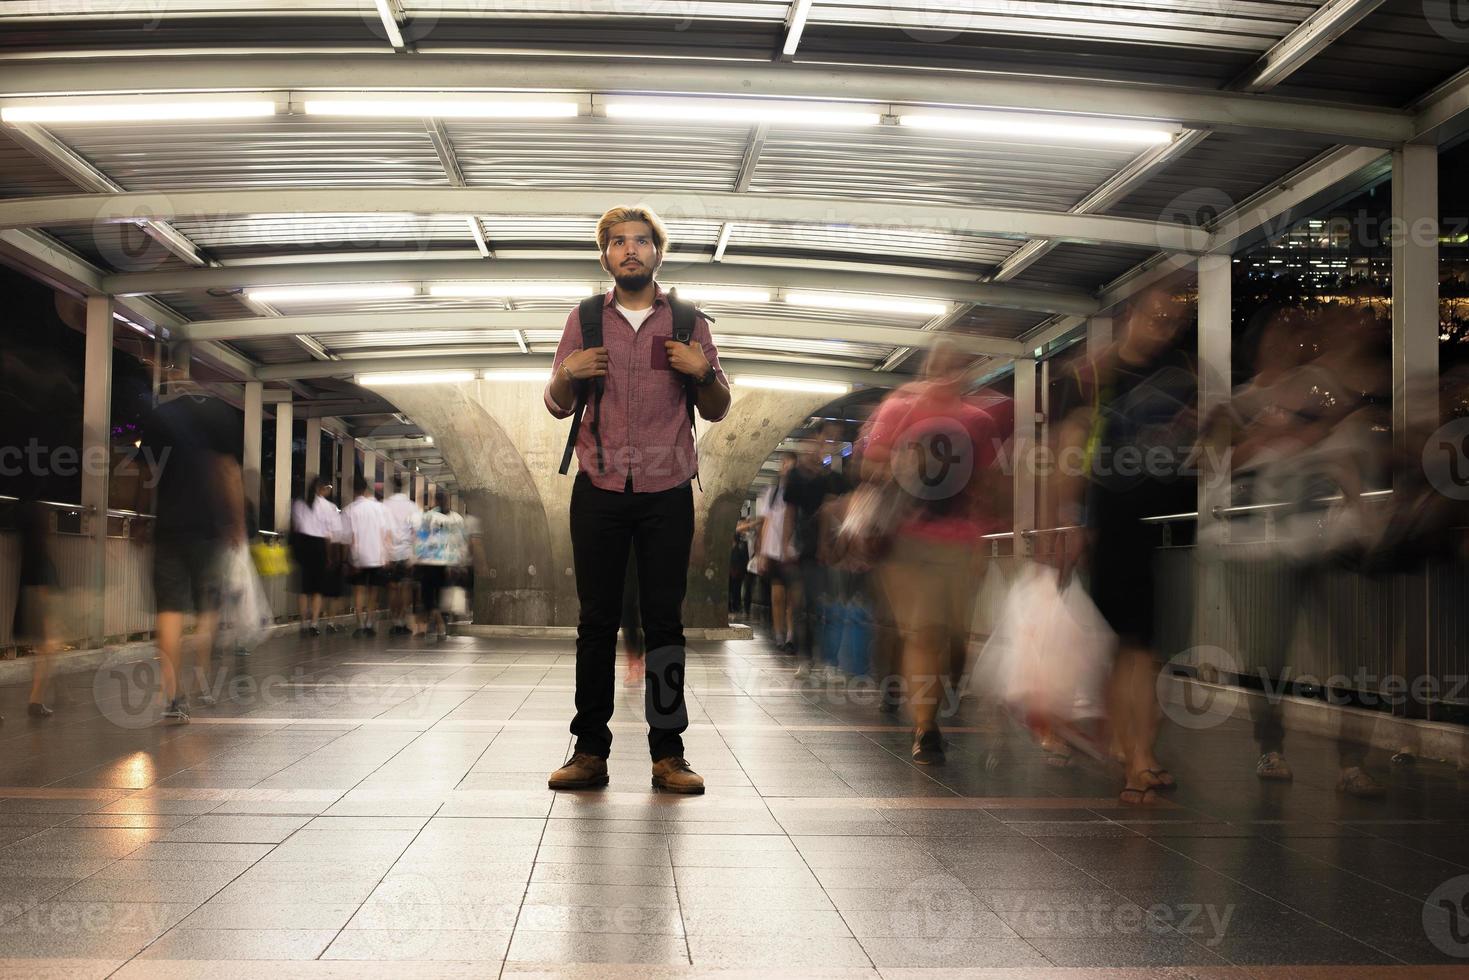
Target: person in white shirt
{"x": 371, "y": 541}
{"x": 777, "y": 559}
{"x": 314, "y": 521}
{"x": 404, "y": 515}
{"x": 439, "y": 550}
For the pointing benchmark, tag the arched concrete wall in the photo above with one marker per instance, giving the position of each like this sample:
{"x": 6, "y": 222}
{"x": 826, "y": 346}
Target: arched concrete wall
{"x": 730, "y": 454}
{"x": 499, "y": 488}
{"x": 505, "y": 447}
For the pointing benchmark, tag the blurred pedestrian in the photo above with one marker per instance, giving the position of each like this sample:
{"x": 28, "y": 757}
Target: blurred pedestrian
{"x": 200, "y": 508}
{"x": 314, "y": 521}
{"x": 368, "y": 526}
{"x": 404, "y": 515}
{"x": 939, "y": 447}
{"x": 438, "y": 553}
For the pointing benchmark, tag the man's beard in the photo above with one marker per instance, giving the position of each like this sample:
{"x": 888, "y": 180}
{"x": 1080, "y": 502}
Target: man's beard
{"x": 633, "y": 283}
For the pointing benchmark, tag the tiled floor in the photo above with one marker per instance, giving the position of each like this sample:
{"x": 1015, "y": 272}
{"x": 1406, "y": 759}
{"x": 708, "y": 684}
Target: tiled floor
{"x": 379, "y": 808}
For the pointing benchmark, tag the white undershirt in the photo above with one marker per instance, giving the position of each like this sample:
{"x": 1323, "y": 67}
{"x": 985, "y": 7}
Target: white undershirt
{"x": 635, "y": 317}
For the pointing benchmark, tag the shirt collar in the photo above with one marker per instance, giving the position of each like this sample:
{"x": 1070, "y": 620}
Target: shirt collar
{"x": 659, "y": 296}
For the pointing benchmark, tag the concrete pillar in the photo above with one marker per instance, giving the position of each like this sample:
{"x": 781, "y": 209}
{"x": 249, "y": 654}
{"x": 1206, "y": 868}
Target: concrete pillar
{"x": 284, "y": 439}
{"x": 1098, "y": 334}
{"x": 1214, "y": 364}
{"x": 97, "y": 459}
{"x": 313, "y": 450}
{"x": 254, "y": 419}
{"x": 347, "y": 467}
{"x": 1023, "y": 455}
{"x": 1415, "y": 326}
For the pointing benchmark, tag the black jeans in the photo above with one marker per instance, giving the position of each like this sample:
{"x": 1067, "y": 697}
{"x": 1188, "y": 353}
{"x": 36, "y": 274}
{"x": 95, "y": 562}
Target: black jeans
{"x": 659, "y": 529}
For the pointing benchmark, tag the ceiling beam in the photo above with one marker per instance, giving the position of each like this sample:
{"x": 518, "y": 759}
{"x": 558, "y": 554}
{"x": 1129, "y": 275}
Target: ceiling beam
{"x": 732, "y": 364}
{"x": 1337, "y": 173}
{"x": 1193, "y": 108}
{"x": 1312, "y": 36}
{"x": 578, "y": 268}
{"x": 1443, "y": 114}
{"x": 209, "y": 205}
{"x": 509, "y": 321}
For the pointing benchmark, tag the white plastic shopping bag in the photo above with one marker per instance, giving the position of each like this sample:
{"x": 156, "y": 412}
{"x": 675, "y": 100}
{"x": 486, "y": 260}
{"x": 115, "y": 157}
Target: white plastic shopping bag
{"x": 1048, "y": 657}
{"x": 243, "y": 603}
{"x": 454, "y": 601}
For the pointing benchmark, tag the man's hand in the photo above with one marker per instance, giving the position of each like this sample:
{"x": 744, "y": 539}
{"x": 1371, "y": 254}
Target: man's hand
{"x": 687, "y": 358}
{"x": 583, "y": 364}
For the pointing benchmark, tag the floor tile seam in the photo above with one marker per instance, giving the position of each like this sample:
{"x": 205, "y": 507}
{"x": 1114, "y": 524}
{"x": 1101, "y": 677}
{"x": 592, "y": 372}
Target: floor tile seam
{"x": 388, "y": 871}
{"x": 769, "y": 813}
{"x": 1415, "y": 850}
{"x": 1302, "y": 912}
{"x": 804, "y": 863}
{"x": 249, "y": 867}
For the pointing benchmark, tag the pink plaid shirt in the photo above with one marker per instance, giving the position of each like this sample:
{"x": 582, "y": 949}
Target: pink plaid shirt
{"x": 644, "y": 421}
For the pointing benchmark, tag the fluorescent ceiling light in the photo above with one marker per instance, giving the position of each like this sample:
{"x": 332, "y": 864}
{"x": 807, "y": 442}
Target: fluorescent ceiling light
{"x": 414, "y": 378}
{"x": 791, "y": 384}
{"x": 421, "y": 108}
{"x": 868, "y": 304}
{"x": 73, "y": 111}
{"x": 723, "y": 294}
{"x": 540, "y": 376}
{"x": 307, "y": 294}
{"x": 1071, "y": 130}
{"x": 510, "y": 290}
{"x": 748, "y": 111}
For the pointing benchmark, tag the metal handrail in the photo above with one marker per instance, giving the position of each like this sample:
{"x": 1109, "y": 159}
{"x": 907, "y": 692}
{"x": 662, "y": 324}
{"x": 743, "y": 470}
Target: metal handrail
{"x": 56, "y": 505}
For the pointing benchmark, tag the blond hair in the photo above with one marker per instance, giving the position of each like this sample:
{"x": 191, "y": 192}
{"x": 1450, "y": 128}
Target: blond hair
{"x": 618, "y": 215}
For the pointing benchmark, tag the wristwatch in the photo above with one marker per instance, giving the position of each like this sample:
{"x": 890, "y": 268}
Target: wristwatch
{"x": 707, "y": 379}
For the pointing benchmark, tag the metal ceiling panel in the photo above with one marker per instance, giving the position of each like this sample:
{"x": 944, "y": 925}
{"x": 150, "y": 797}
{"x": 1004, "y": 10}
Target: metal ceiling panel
{"x": 999, "y": 323}
{"x": 1080, "y": 267}
{"x": 281, "y": 151}
{"x": 768, "y": 10}
{"x": 117, "y": 247}
{"x": 273, "y": 350}
{"x": 1213, "y": 177}
{"x": 511, "y": 233}
{"x": 900, "y": 164}
{"x": 595, "y": 153}
{"x": 22, "y": 174}
{"x": 1251, "y": 25}
{"x": 908, "y": 247}
{"x": 269, "y": 234}
{"x": 1399, "y": 52}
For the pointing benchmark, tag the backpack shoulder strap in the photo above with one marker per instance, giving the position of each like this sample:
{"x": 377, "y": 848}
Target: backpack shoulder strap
{"x": 589, "y": 312}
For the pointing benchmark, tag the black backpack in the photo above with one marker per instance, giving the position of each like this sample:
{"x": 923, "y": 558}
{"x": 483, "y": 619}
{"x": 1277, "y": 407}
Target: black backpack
{"x": 590, "y": 313}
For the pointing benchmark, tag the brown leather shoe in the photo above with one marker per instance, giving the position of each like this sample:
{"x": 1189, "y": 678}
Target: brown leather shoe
{"x": 674, "y": 775}
{"x": 582, "y": 771}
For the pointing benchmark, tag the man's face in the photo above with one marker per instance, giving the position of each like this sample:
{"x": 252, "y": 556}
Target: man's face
{"x": 631, "y": 257}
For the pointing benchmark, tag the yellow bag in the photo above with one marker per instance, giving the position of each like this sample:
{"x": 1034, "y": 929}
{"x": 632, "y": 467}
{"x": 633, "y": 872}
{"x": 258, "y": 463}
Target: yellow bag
{"x": 271, "y": 558}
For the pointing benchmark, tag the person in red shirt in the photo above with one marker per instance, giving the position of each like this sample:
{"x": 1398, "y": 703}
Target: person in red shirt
{"x": 940, "y": 447}
{"x": 633, "y": 492}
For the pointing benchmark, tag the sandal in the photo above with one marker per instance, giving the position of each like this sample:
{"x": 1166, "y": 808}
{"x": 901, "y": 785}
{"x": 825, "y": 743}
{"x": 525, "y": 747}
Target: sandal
{"x": 1355, "y": 781}
{"x": 1163, "y": 779}
{"x": 1135, "y": 796}
{"x": 1059, "y": 760}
